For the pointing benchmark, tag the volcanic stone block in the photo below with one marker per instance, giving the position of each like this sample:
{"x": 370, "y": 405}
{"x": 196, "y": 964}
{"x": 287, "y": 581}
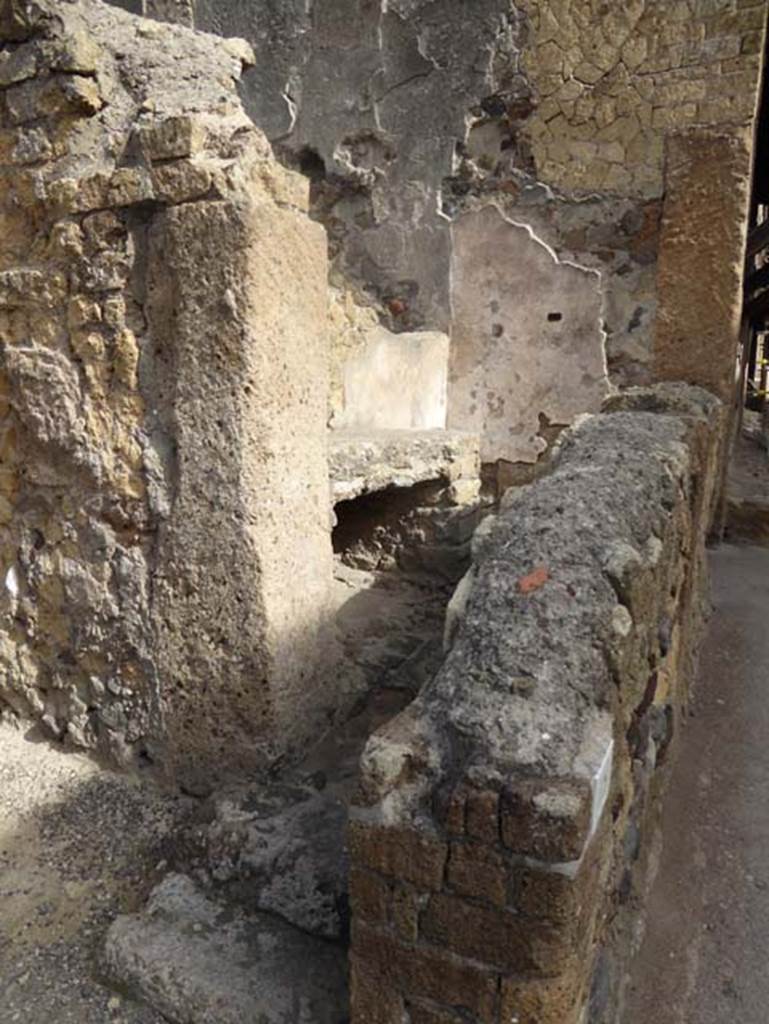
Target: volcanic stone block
{"x": 199, "y": 963}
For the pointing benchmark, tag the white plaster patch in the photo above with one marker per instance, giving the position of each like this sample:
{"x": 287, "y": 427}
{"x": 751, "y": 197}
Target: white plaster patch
{"x": 397, "y": 382}
{"x": 526, "y": 339}
{"x": 568, "y": 868}
{"x": 600, "y": 785}
{"x": 457, "y": 606}
{"x": 595, "y": 762}
{"x": 12, "y": 582}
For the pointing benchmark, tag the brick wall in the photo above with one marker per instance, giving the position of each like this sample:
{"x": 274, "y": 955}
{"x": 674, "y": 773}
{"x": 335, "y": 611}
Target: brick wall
{"x": 500, "y": 840}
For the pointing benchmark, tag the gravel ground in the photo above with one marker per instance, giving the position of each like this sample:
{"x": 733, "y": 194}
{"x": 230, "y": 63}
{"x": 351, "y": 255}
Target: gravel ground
{"x": 78, "y": 844}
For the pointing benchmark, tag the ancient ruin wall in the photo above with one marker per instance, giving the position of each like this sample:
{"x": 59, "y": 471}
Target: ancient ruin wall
{"x": 163, "y": 375}
{"x": 504, "y": 822}
{"x": 566, "y": 115}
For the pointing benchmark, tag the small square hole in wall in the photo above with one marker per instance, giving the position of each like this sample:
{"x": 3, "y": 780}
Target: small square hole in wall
{"x": 554, "y": 318}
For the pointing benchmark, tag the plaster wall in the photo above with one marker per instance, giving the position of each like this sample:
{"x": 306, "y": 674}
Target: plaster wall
{"x": 396, "y": 382}
{"x": 557, "y": 111}
{"x": 511, "y": 295}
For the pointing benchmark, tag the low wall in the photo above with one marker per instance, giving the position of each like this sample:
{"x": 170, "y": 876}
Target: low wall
{"x": 500, "y": 842}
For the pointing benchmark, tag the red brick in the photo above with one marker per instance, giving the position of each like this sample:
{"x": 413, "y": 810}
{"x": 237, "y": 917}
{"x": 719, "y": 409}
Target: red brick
{"x": 550, "y": 896}
{"x": 372, "y": 999}
{"x": 478, "y": 870}
{"x": 546, "y": 895}
{"x": 401, "y": 853}
{"x": 547, "y": 820}
{"x": 455, "y": 812}
{"x": 422, "y": 973}
{"x": 553, "y": 1001}
{"x": 421, "y": 1013}
{"x": 369, "y": 896}
{"x": 483, "y": 815}
{"x": 405, "y": 913}
{"x": 500, "y": 938}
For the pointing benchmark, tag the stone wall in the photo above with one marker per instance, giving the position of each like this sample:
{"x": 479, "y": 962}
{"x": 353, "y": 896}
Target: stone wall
{"x": 163, "y": 394}
{"x": 613, "y": 81}
{"x": 562, "y": 114}
{"x": 612, "y": 87}
{"x": 502, "y": 832}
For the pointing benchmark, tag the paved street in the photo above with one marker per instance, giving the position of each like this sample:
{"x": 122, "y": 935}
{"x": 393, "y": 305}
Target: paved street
{"x": 705, "y": 957}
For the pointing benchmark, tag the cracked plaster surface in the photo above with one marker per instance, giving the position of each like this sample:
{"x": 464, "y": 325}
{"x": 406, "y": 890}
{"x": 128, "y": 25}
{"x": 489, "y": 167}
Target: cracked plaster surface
{"x": 527, "y": 341}
{"x": 379, "y": 92}
{"x": 408, "y": 112}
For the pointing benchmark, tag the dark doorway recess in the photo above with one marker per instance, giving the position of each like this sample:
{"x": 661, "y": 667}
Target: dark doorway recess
{"x": 755, "y": 323}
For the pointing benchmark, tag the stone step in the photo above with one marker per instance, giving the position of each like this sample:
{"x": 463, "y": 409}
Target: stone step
{"x": 361, "y": 462}
{"x": 280, "y": 847}
{"x": 200, "y": 961}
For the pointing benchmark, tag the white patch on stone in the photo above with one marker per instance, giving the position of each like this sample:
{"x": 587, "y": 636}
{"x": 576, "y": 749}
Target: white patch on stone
{"x": 653, "y": 551}
{"x": 456, "y": 608}
{"x": 12, "y": 582}
{"x": 568, "y": 868}
{"x": 594, "y": 763}
{"x": 600, "y": 785}
{"x": 396, "y": 382}
{"x": 622, "y": 621}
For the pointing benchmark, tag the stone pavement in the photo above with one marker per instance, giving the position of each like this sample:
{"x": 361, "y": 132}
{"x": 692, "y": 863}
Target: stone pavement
{"x": 704, "y": 956}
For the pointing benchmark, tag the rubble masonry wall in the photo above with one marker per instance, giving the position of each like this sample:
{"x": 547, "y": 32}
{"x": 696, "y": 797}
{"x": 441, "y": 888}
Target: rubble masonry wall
{"x": 163, "y": 397}
{"x": 505, "y": 821}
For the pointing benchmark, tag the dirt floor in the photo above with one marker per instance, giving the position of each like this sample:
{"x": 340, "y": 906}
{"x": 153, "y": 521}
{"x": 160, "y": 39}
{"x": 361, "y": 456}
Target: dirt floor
{"x": 704, "y": 958}
{"x": 80, "y": 844}
{"x": 77, "y": 845}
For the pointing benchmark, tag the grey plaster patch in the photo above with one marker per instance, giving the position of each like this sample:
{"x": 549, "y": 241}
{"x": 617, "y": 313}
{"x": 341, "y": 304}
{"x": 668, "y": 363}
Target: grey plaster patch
{"x": 377, "y": 96}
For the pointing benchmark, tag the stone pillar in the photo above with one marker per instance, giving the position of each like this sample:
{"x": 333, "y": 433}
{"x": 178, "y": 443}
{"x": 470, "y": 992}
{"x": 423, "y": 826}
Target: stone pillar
{"x": 237, "y": 312}
{"x": 700, "y": 272}
{"x": 165, "y": 549}
{"x": 701, "y": 257}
